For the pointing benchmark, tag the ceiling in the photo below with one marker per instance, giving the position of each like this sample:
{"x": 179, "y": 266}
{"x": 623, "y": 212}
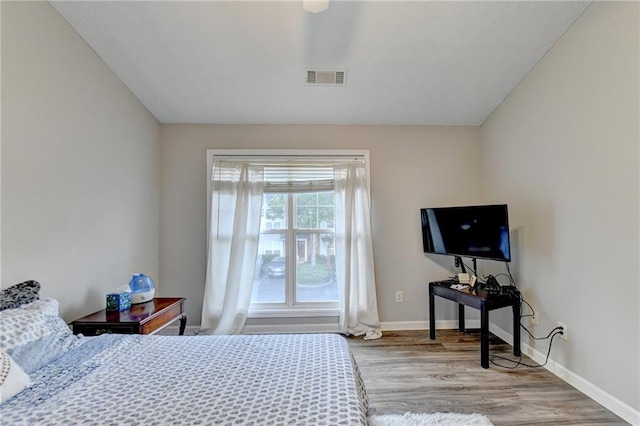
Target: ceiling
{"x": 408, "y": 63}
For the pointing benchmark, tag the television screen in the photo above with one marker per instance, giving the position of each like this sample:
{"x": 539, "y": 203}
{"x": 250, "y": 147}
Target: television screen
{"x": 480, "y": 232}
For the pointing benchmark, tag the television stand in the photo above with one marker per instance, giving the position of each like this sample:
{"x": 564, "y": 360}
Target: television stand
{"x": 479, "y": 299}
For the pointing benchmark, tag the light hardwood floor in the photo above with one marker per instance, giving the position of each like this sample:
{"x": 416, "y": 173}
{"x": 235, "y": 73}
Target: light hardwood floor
{"x": 405, "y": 371}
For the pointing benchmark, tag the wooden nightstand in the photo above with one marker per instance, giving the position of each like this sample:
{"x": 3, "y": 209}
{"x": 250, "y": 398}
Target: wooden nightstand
{"x": 143, "y": 318}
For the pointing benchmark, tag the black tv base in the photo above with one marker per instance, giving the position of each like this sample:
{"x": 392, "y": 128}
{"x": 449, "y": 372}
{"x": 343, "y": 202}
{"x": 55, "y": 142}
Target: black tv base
{"x": 479, "y": 299}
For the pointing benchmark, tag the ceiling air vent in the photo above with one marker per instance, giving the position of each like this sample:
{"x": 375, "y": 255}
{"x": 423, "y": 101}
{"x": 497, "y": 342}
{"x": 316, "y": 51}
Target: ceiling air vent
{"x": 326, "y": 77}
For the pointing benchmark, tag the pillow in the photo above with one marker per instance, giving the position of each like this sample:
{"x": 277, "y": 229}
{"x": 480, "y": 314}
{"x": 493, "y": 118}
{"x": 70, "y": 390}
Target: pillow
{"x": 20, "y": 326}
{"x": 35, "y": 355}
{"x": 19, "y": 294}
{"x": 46, "y": 306}
{"x": 12, "y": 379}
{"x": 34, "y": 335}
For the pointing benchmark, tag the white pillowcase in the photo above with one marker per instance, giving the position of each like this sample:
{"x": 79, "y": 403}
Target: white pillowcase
{"x": 33, "y": 335}
{"x": 46, "y": 306}
{"x": 12, "y": 379}
{"x": 26, "y": 324}
{"x": 19, "y": 327}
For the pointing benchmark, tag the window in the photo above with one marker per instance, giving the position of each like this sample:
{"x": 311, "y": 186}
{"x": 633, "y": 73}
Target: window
{"x": 289, "y": 237}
{"x": 300, "y": 273}
{"x": 295, "y": 266}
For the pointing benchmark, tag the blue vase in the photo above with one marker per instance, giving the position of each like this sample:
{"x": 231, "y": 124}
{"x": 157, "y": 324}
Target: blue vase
{"x": 142, "y": 288}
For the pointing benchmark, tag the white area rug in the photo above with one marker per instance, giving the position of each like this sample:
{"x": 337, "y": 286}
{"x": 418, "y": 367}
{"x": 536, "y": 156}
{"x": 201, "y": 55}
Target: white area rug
{"x": 424, "y": 419}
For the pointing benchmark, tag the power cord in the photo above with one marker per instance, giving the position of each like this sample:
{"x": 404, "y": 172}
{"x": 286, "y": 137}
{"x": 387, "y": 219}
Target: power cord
{"x": 513, "y": 282}
{"x": 513, "y": 290}
{"x": 519, "y": 361}
{"x": 547, "y": 336}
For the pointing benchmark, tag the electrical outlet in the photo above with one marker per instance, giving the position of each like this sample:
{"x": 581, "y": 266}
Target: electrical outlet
{"x": 533, "y": 319}
{"x": 399, "y": 297}
{"x": 565, "y": 332}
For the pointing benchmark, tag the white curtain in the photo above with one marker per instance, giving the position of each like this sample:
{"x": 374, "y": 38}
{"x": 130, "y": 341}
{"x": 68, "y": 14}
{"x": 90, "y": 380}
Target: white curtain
{"x": 354, "y": 252}
{"x": 236, "y": 203}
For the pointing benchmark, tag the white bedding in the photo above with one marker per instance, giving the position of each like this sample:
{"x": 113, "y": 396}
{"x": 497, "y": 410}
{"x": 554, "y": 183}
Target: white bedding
{"x": 170, "y": 380}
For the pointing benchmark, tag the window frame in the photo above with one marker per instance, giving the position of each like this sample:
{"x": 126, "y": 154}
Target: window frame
{"x": 291, "y": 232}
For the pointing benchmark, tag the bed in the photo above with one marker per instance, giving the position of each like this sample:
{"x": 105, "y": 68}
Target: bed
{"x": 298, "y": 379}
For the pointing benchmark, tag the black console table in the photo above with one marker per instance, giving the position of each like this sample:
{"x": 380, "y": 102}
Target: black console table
{"x": 481, "y": 300}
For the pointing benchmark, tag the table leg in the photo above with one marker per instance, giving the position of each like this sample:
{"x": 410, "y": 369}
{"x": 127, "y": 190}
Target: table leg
{"x": 183, "y": 325}
{"x": 516, "y": 328}
{"x": 484, "y": 337}
{"x": 432, "y": 314}
{"x": 461, "y": 324}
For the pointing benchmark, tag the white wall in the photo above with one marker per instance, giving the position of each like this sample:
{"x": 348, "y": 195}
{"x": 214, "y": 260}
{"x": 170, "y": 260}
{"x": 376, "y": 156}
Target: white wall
{"x": 562, "y": 150}
{"x": 411, "y": 167}
{"x": 80, "y": 189}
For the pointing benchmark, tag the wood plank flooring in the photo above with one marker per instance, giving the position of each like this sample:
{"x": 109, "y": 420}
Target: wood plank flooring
{"x": 405, "y": 371}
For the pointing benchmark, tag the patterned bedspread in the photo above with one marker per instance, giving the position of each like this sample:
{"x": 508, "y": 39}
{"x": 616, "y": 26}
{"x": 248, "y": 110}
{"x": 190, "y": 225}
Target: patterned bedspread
{"x": 308, "y": 379}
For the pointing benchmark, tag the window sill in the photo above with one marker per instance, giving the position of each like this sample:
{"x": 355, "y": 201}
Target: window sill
{"x": 293, "y": 313}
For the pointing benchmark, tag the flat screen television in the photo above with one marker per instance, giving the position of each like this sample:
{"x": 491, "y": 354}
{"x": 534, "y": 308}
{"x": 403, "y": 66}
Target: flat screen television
{"x": 479, "y": 232}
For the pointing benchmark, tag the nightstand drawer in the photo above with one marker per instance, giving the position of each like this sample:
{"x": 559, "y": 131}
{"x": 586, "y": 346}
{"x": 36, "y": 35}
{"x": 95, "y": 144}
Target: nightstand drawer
{"x": 98, "y": 329}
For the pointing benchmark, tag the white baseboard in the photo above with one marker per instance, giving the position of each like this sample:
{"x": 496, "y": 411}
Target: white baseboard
{"x": 424, "y": 325}
{"x": 605, "y": 399}
{"x": 263, "y": 329}
{"x": 599, "y": 395}
{"x": 172, "y": 330}
{"x": 291, "y": 328}
{"x": 331, "y": 328}
{"x": 192, "y": 330}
